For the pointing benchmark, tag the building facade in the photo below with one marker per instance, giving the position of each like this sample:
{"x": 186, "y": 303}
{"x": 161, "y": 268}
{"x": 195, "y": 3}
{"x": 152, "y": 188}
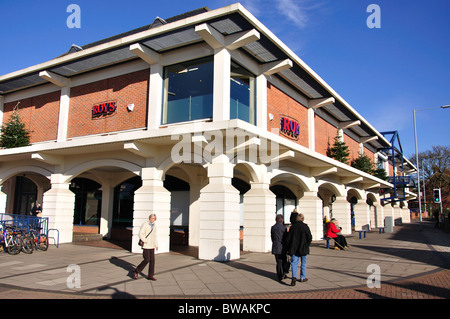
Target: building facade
{"x": 206, "y": 119}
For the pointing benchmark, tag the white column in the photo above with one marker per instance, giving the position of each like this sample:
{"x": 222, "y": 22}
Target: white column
{"x": 107, "y": 209}
{"x": 219, "y": 214}
{"x": 406, "y": 217}
{"x": 221, "y": 89}
{"x": 379, "y": 215}
{"x": 58, "y": 205}
{"x": 2, "y": 107}
{"x": 311, "y": 206}
{"x": 150, "y": 198}
{"x": 155, "y": 96}
{"x": 259, "y": 216}
{"x": 194, "y": 213}
{"x": 311, "y": 130}
{"x": 362, "y": 215}
{"x": 341, "y": 211}
{"x": 3, "y": 201}
{"x": 63, "y": 120}
{"x": 261, "y": 101}
{"x": 397, "y": 211}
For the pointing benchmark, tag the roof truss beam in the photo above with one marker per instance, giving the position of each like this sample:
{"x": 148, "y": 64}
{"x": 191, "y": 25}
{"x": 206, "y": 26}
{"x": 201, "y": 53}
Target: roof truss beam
{"x": 318, "y": 103}
{"x": 231, "y": 42}
{"x": 149, "y": 56}
{"x": 348, "y": 124}
{"x": 54, "y": 78}
{"x": 275, "y": 67}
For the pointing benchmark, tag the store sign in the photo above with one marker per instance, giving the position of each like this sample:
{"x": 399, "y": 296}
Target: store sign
{"x": 289, "y": 127}
{"x": 104, "y": 109}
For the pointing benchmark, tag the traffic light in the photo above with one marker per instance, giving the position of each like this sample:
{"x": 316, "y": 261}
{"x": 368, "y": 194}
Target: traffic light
{"x": 437, "y": 195}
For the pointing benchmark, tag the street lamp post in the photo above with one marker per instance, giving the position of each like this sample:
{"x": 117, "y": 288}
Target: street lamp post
{"x": 417, "y": 157}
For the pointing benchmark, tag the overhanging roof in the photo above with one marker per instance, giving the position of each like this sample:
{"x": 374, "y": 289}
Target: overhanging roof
{"x": 165, "y": 35}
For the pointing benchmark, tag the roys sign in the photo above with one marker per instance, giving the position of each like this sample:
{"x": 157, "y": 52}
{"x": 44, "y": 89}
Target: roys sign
{"x": 289, "y": 127}
{"x": 104, "y": 109}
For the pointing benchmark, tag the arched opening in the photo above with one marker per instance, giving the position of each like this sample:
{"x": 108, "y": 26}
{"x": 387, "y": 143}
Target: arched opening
{"x": 243, "y": 187}
{"x": 124, "y": 201}
{"x": 286, "y": 201}
{"x": 25, "y": 195}
{"x": 179, "y": 210}
{"x": 88, "y": 201}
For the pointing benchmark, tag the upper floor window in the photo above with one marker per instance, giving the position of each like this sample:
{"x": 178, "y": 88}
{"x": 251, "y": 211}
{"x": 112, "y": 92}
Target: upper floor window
{"x": 242, "y": 94}
{"x": 188, "y": 91}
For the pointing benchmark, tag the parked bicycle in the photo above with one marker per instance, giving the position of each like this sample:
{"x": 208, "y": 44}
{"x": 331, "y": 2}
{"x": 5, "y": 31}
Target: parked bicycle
{"x": 11, "y": 243}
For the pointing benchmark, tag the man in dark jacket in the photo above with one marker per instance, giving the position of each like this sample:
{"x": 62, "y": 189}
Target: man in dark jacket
{"x": 278, "y": 234}
{"x": 298, "y": 246}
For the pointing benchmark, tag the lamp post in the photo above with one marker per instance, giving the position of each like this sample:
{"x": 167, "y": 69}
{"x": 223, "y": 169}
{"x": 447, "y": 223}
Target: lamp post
{"x": 424, "y": 191}
{"x": 417, "y": 156}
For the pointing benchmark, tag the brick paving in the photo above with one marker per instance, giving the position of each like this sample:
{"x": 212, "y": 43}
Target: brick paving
{"x": 415, "y": 265}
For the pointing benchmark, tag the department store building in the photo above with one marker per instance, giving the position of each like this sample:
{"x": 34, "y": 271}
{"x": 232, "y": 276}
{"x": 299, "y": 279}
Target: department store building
{"x": 206, "y": 119}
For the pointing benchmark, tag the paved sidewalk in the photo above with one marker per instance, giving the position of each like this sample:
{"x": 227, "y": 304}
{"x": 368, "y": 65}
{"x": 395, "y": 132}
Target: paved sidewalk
{"x": 413, "y": 265}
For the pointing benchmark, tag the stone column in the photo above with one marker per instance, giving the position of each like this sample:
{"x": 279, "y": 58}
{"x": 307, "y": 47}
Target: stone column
{"x": 362, "y": 215}
{"x": 341, "y": 211}
{"x": 259, "y": 216}
{"x": 379, "y": 215}
{"x": 406, "y": 217}
{"x": 58, "y": 205}
{"x": 3, "y": 201}
{"x": 311, "y": 206}
{"x": 150, "y": 198}
{"x": 107, "y": 209}
{"x": 219, "y": 214}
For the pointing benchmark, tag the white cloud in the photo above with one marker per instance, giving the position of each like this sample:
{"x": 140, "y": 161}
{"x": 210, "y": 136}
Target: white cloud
{"x": 293, "y": 11}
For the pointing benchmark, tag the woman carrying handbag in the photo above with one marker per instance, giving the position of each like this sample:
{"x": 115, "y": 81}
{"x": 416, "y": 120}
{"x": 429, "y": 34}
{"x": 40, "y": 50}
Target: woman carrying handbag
{"x": 148, "y": 236}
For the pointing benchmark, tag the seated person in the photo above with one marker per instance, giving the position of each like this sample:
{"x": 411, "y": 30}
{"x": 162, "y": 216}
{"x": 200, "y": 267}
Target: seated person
{"x": 334, "y": 231}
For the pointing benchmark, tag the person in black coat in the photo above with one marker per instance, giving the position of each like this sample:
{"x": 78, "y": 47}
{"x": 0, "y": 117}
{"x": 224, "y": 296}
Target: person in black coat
{"x": 300, "y": 239}
{"x": 278, "y": 233}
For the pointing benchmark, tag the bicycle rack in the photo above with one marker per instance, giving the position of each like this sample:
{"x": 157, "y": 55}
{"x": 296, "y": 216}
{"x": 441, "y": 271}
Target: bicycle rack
{"x": 48, "y": 237}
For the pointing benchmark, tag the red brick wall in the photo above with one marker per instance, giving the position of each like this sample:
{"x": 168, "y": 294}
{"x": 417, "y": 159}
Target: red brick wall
{"x": 369, "y": 154}
{"x": 353, "y": 147}
{"x": 279, "y": 103}
{"x": 125, "y": 89}
{"x": 324, "y": 134}
{"x": 40, "y": 115}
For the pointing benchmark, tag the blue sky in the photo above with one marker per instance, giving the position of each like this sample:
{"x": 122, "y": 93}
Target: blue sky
{"x": 384, "y": 73}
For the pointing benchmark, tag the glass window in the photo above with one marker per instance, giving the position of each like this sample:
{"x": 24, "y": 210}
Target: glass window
{"x": 188, "y": 91}
{"x": 242, "y": 94}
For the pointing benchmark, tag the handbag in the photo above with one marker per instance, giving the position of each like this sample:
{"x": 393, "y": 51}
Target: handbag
{"x": 141, "y": 243}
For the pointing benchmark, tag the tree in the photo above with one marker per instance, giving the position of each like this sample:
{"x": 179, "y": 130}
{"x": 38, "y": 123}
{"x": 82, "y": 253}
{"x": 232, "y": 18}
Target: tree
{"x": 380, "y": 173}
{"x": 13, "y": 133}
{"x": 363, "y": 163}
{"x": 434, "y": 166}
{"x": 339, "y": 151}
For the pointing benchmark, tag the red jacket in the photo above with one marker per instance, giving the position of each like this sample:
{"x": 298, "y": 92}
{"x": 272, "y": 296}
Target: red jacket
{"x": 332, "y": 230}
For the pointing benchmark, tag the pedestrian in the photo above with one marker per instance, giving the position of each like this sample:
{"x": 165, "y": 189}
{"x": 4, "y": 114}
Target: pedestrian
{"x": 148, "y": 235}
{"x": 436, "y": 218}
{"x": 334, "y": 231}
{"x": 298, "y": 246}
{"x": 278, "y": 233}
{"x": 36, "y": 210}
{"x": 293, "y": 216}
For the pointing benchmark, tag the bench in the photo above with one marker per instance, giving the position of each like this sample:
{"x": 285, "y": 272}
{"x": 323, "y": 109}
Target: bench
{"x": 381, "y": 230}
{"x": 362, "y": 231}
{"x": 328, "y": 241}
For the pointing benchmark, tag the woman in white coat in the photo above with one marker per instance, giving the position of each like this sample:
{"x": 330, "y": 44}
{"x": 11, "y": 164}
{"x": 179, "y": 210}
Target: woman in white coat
{"x": 148, "y": 235}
